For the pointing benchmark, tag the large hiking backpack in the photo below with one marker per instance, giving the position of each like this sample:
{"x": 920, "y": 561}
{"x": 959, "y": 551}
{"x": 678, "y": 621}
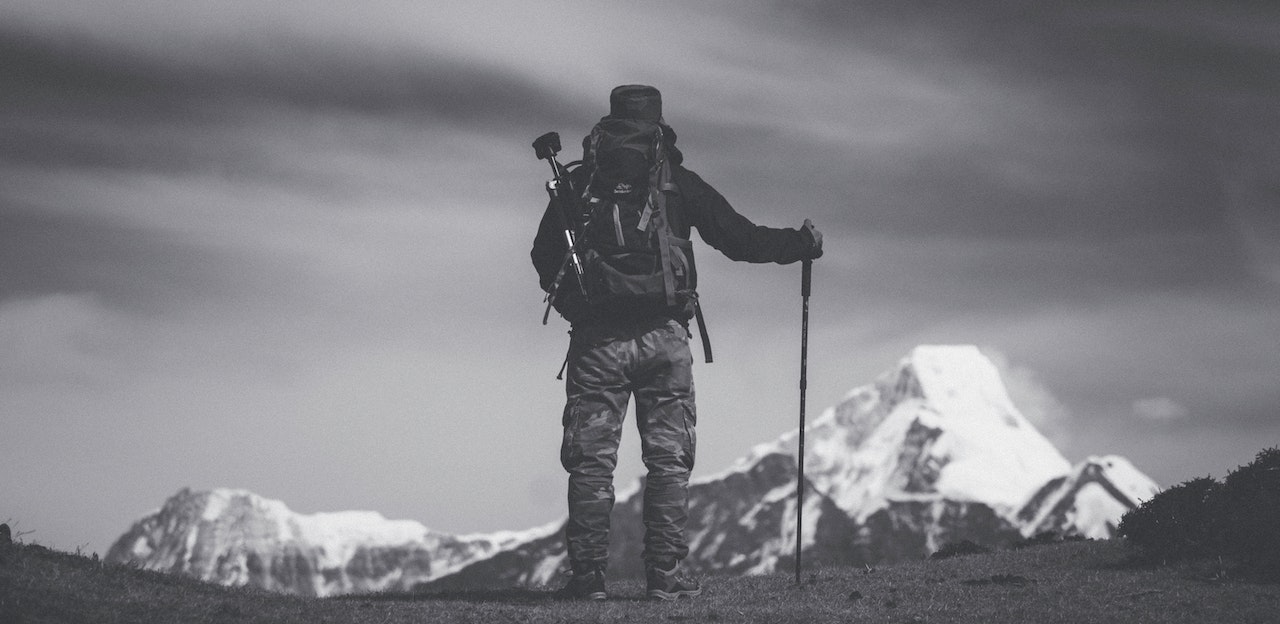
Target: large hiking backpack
{"x": 632, "y": 261}
{"x": 631, "y": 258}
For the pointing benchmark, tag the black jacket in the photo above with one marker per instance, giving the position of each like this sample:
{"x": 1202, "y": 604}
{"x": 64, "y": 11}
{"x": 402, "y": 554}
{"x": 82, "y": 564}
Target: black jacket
{"x": 696, "y": 206}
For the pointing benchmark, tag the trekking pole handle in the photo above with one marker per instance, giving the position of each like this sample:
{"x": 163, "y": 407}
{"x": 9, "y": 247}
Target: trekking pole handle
{"x": 547, "y": 145}
{"x": 545, "y": 148}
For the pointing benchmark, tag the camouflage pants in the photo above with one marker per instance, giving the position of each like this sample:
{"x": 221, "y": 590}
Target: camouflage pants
{"x": 606, "y": 366}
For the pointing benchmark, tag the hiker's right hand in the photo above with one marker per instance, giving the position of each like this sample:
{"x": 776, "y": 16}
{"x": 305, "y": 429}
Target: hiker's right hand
{"x": 815, "y": 238}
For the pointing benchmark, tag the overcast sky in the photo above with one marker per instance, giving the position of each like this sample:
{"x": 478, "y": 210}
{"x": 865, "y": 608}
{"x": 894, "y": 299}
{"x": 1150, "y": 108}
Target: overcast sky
{"x": 284, "y": 246}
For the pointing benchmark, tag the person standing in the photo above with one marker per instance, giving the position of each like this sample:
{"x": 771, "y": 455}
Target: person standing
{"x": 629, "y": 316}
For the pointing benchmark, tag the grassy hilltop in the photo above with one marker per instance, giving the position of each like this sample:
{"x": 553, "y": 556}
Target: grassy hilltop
{"x": 1070, "y": 582}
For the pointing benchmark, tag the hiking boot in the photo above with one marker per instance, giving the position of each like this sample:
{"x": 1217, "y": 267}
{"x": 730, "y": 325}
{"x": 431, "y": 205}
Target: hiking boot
{"x": 588, "y": 585}
{"x": 667, "y": 582}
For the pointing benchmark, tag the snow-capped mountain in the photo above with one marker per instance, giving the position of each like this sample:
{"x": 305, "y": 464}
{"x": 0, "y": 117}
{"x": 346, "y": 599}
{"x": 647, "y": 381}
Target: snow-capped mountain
{"x": 932, "y": 452}
{"x": 939, "y": 427}
{"x": 235, "y": 537}
{"x": 1088, "y": 502}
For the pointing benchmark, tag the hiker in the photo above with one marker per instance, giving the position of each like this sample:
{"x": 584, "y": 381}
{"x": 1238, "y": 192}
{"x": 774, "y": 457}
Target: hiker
{"x": 629, "y": 315}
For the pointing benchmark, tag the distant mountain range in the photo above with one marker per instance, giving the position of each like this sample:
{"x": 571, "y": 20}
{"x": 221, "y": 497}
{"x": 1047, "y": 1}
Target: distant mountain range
{"x": 932, "y": 452}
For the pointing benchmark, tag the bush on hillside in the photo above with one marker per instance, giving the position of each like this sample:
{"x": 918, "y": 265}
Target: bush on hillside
{"x": 1235, "y": 519}
{"x": 1177, "y": 523}
{"x": 1250, "y": 511}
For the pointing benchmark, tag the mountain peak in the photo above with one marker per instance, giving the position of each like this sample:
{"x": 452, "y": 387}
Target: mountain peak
{"x": 960, "y": 378}
{"x": 938, "y": 426}
{"x": 1089, "y": 500}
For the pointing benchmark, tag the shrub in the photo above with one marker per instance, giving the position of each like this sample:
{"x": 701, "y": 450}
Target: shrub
{"x": 1235, "y": 519}
{"x": 1177, "y": 523}
{"x": 1250, "y": 500}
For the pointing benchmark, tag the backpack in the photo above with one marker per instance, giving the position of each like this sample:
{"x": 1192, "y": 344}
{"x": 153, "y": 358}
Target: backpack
{"x": 632, "y": 261}
{"x": 630, "y": 256}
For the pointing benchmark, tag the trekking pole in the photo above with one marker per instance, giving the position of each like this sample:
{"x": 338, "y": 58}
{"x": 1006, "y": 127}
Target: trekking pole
{"x": 560, "y": 190}
{"x": 806, "y": 276}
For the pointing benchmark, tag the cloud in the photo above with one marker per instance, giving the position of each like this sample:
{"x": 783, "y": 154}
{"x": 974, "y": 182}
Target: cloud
{"x": 1033, "y": 398}
{"x": 123, "y": 266}
{"x": 56, "y": 336}
{"x": 1064, "y": 122}
{"x": 1159, "y": 410}
{"x": 71, "y": 101}
{"x": 1252, "y": 194}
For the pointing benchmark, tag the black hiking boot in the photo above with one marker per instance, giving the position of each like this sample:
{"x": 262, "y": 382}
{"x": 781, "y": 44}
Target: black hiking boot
{"x": 588, "y": 585}
{"x": 667, "y": 582}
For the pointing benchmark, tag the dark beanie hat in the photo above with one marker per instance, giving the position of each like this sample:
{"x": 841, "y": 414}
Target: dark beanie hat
{"x": 635, "y": 102}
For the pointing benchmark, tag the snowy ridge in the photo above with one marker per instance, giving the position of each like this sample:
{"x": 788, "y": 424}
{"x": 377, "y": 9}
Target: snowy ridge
{"x": 236, "y": 537}
{"x": 1090, "y": 500}
{"x": 339, "y": 532}
{"x": 508, "y": 538}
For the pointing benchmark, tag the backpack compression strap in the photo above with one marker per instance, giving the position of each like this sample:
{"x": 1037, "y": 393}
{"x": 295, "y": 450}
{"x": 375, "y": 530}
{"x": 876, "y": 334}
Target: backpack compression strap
{"x": 702, "y": 329}
{"x": 662, "y": 185}
{"x": 658, "y": 204}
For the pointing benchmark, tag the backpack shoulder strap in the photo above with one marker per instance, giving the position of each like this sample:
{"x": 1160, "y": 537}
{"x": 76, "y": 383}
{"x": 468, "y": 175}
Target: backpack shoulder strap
{"x": 666, "y": 184}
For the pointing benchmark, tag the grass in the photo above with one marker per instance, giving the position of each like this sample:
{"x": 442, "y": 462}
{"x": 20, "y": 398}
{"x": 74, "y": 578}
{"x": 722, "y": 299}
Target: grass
{"x": 1064, "y": 582}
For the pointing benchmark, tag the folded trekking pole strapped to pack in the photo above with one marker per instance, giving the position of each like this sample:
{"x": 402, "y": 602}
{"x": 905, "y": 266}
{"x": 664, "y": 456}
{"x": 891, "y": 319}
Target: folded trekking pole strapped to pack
{"x": 562, "y": 196}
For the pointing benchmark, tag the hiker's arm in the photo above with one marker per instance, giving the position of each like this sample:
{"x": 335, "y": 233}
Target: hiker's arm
{"x": 548, "y": 248}
{"x": 736, "y": 236}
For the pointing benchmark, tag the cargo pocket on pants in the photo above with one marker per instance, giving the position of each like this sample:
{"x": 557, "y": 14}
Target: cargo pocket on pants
{"x": 570, "y": 454}
{"x": 690, "y": 421}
